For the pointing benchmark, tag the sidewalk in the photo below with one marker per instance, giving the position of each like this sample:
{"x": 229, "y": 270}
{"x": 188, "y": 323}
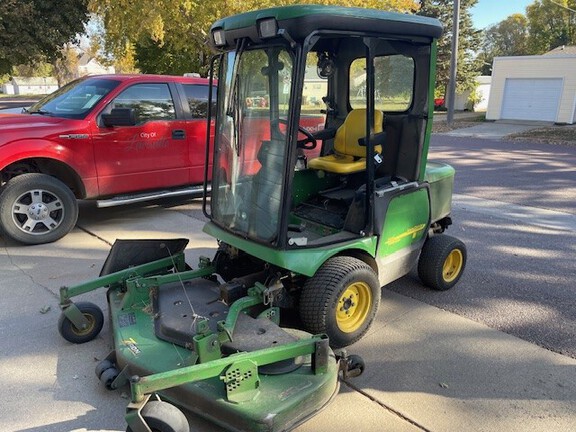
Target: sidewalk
{"x": 426, "y": 369}
{"x": 487, "y": 129}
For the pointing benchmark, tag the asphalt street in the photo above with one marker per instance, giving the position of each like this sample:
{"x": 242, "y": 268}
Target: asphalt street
{"x": 521, "y": 267}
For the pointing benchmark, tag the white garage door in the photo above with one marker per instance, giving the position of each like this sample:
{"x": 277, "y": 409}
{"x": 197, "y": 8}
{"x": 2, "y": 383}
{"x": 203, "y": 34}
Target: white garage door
{"x": 531, "y": 99}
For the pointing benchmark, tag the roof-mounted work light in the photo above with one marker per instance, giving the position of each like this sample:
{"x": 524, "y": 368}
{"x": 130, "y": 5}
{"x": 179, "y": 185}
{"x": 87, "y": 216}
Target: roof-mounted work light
{"x": 219, "y": 37}
{"x": 267, "y": 28}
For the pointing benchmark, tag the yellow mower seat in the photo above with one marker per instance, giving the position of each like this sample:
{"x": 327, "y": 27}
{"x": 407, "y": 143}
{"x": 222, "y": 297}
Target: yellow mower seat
{"x": 349, "y": 156}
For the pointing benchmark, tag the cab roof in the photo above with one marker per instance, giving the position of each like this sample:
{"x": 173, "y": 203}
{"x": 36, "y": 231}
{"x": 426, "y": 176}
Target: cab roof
{"x": 302, "y": 20}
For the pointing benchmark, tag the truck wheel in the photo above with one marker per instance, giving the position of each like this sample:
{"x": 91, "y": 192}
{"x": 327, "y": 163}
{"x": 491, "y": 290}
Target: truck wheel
{"x": 36, "y": 209}
{"x": 163, "y": 417}
{"x": 341, "y": 300}
{"x": 442, "y": 262}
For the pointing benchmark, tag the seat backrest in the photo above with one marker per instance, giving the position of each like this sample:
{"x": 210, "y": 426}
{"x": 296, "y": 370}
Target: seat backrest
{"x": 354, "y": 128}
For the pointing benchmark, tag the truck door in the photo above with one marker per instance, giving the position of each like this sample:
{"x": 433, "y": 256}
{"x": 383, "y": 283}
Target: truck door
{"x": 154, "y": 153}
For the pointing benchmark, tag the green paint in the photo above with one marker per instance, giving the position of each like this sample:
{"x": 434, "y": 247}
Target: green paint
{"x": 406, "y": 222}
{"x": 304, "y": 11}
{"x": 305, "y": 261}
{"x": 309, "y": 182}
{"x": 441, "y": 179}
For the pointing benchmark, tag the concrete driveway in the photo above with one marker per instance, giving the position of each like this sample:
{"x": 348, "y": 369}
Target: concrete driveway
{"x": 427, "y": 369}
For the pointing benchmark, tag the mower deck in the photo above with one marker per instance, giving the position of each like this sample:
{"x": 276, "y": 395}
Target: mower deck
{"x": 157, "y": 336}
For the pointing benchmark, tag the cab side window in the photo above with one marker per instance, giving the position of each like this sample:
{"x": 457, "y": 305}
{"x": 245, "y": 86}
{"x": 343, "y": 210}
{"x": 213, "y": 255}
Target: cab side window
{"x": 197, "y": 97}
{"x": 393, "y": 80}
{"x": 151, "y": 101}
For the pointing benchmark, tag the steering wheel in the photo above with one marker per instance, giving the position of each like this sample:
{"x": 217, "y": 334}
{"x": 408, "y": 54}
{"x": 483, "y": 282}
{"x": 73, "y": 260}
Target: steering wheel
{"x": 307, "y": 143}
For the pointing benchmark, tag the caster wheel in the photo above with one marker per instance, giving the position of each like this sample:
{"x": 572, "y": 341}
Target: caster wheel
{"x": 355, "y": 366}
{"x": 108, "y": 376}
{"x": 163, "y": 417}
{"x": 71, "y": 333}
{"x": 102, "y": 366}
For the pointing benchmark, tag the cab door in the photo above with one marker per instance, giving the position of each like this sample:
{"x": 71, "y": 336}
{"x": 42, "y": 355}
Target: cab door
{"x": 151, "y": 154}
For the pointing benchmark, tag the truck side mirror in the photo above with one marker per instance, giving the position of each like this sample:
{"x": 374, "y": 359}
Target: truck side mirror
{"x": 119, "y": 117}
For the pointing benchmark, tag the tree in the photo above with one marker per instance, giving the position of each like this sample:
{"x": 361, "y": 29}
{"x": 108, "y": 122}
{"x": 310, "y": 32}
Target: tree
{"x": 507, "y": 38}
{"x": 169, "y": 36}
{"x": 468, "y": 41}
{"x": 31, "y": 30}
{"x": 551, "y": 24}
{"x": 66, "y": 65}
{"x": 33, "y": 69}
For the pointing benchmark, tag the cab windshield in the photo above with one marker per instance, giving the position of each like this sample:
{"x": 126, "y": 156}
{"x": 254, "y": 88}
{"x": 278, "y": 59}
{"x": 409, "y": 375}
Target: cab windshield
{"x": 251, "y": 145}
{"x": 74, "y": 100}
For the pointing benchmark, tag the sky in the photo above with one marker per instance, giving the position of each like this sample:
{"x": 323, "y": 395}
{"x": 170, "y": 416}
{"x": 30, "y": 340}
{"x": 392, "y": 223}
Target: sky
{"x": 488, "y": 12}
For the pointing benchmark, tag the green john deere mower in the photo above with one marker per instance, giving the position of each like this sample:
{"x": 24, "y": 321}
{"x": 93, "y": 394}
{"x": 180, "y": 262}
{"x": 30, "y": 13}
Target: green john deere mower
{"x": 321, "y": 194}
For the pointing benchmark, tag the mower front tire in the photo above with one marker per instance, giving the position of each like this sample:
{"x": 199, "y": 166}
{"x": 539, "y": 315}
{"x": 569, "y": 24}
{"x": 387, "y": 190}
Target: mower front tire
{"x": 163, "y": 417}
{"x": 442, "y": 262}
{"x": 75, "y": 335}
{"x": 341, "y": 300}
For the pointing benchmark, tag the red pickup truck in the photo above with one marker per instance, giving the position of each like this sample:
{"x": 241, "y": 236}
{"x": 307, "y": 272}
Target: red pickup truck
{"x": 116, "y": 139}
{"x": 112, "y": 138}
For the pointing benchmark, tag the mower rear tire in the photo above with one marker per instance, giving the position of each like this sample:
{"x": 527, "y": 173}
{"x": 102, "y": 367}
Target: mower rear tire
{"x": 442, "y": 262}
{"x": 75, "y": 335}
{"x": 163, "y": 417}
{"x": 341, "y": 300}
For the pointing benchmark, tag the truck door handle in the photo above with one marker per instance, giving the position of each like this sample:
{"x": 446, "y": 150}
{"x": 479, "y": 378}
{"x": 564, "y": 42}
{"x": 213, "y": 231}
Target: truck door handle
{"x": 178, "y": 134}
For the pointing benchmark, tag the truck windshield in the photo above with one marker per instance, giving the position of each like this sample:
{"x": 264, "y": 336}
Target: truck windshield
{"x": 251, "y": 145}
{"x": 74, "y": 100}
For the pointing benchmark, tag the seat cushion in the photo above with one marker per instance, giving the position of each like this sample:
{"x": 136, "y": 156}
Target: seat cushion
{"x": 349, "y": 156}
{"x": 337, "y": 163}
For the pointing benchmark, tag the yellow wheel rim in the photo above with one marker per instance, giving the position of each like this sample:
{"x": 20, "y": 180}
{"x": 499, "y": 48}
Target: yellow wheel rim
{"x": 353, "y": 307}
{"x": 88, "y": 329}
{"x": 452, "y": 265}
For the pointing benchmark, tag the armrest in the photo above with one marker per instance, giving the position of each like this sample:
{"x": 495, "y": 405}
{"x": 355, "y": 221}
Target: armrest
{"x": 377, "y": 139}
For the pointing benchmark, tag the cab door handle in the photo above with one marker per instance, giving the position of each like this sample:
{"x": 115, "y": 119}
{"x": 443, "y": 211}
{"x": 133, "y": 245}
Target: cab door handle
{"x": 178, "y": 134}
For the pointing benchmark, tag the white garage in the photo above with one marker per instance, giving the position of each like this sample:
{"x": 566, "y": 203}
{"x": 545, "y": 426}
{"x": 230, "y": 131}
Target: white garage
{"x": 541, "y": 88}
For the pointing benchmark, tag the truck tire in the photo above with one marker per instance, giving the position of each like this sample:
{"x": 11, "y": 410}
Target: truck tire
{"x": 36, "y": 209}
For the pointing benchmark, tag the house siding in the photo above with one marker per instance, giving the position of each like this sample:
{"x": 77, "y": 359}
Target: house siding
{"x": 535, "y": 67}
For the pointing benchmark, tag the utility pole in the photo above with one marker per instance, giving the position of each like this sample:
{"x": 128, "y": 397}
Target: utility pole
{"x": 453, "y": 62}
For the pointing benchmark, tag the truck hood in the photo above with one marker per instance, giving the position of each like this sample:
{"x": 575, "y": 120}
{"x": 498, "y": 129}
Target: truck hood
{"x": 25, "y": 121}
{"x": 31, "y": 126}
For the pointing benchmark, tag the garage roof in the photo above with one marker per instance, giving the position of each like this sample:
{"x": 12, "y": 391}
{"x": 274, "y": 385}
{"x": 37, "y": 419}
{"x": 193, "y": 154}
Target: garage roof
{"x": 563, "y": 50}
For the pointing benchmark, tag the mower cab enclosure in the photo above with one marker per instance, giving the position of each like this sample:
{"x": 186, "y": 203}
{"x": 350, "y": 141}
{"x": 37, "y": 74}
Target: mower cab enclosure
{"x": 342, "y": 210}
{"x": 321, "y": 194}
